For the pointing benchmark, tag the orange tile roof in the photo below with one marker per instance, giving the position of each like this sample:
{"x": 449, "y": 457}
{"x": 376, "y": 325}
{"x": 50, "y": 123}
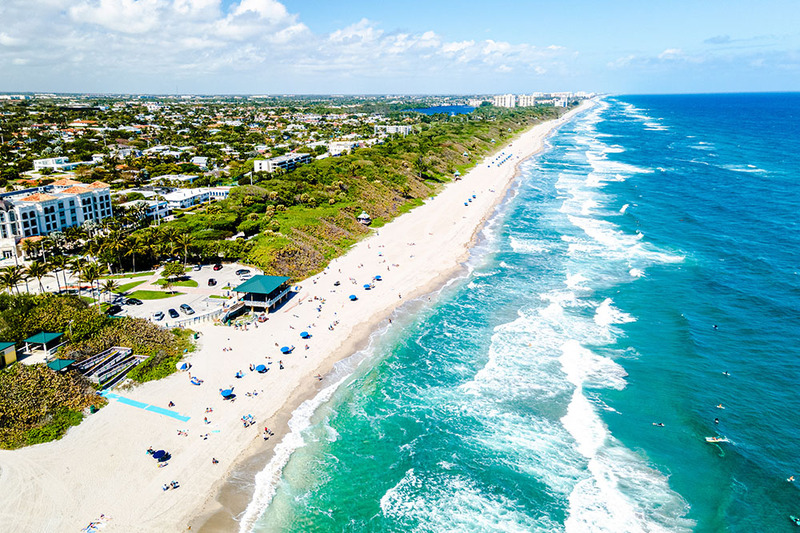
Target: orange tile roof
{"x": 38, "y": 197}
{"x": 76, "y": 190}
{"x": 98, "y": 185}
{"x": 65, "y": 182}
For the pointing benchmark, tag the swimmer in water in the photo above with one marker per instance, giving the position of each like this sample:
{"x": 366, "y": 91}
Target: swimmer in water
{"x": 659, "y": 424}
{"x": 725, "y": 373}
{"x": 720, "y": 406}
{"x": 790, "y": 479}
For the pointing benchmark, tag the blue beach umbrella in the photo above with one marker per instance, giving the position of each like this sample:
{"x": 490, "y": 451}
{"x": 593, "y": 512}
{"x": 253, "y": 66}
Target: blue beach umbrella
{"x": 353, "y": 297}
{"x": 286, "y": 349}
{"x": 261, "y": 369}
{"x": 367, "y": 287}
{"x": 305, "y": 335}
{"x": 378, "y": 278}
{"x": 159, "y": 454}
{"x": 226, "y": 392}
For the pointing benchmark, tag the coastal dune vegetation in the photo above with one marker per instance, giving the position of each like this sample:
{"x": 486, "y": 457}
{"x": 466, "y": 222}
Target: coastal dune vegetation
{"x": 38, "y": 404}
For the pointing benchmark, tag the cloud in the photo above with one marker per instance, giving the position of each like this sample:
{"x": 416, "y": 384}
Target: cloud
{"x": 150, "y": 45}
{"x": 671, "y": 53}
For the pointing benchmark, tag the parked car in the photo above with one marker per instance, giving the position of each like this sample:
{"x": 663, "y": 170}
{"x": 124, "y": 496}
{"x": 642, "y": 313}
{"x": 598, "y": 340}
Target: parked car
{"x": 133, "y": 301}
{"x": 242, "y": 272}
{"x": 114, "y": 310}
{"x": 245, "y": 277}
{"x": 158, "y": 315}
{"x": 197, "y": 267}
{"x": 218, "y": 266}
{"x": 211, "y": 282}
{"x": 172, "y": 313}
{"x": 187, "y": 309}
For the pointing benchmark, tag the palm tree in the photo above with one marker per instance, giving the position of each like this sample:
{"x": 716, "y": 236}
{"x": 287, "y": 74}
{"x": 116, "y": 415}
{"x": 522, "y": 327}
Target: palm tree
{"x": 38, "y": 270}
{"x": 115, "y": 244}
{"x": 110, "y": 286}
{"x": 11, "y": 277}
{"x": 90, "y": 273}
{"x": 183, "y": 241}
{"x": 59, "y": 263}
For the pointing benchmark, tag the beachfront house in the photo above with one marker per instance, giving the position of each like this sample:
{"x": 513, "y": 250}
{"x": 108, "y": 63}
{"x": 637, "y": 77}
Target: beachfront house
{"x": 264, "y": 293}
{"x": 8, "y": 353}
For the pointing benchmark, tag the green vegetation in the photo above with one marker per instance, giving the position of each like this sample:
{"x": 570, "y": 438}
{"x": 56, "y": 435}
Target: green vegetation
{"x": 152, "y": 295}
{"x": 131, "y": 275}
{"x": 38, "y": 404}
{"x": 128, "y": 286}
{"x": 219, "y": 296}
{"x": 163, "y": 363}
{"x": 181, "y": 283}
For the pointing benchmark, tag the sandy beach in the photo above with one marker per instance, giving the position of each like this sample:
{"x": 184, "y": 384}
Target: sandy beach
{"x": 100, "y": 471}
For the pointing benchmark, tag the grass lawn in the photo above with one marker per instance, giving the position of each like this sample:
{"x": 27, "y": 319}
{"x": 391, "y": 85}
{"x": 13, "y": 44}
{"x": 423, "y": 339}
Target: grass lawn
{"x": 129, "y": 286}
{"x": 152, "y": 295}
{"x": 88, "y": 299}
{"x": 184, "y": 283}
{"x": 130, "y": 275}
{"x": 219, "y": 297}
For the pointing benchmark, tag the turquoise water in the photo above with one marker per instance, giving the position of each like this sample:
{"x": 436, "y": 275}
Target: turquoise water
{"x": 523, "y": 396}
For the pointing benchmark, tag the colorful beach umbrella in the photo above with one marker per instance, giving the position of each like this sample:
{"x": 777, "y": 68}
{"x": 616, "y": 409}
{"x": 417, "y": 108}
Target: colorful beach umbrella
{"x": 305, "y": 335}
{"x": 353, "y": 297}
{"x": 261, "y": 368}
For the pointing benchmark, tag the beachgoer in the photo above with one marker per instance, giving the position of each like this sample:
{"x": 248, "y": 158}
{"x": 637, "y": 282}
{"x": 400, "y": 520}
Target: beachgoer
{"x": 171, "y": 404}
{"x": 716, "y": 420}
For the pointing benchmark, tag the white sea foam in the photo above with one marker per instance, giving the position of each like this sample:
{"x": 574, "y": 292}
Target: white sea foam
{"x": 527, "y": 246}
{"x": 636, "y": 272}
{"x": 266, "y": 481}
{"x": 447, "y": 502}
{"x": 606, "y": 314}
{"x": 744, "y": 168}
{"x": 624, "y": 208}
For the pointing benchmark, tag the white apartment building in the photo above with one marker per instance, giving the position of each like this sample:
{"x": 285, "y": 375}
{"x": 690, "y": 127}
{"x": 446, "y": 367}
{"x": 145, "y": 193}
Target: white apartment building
{"x": 505, "y": 100}
{"x": 389, "y": 129}
{"x": 60, "y": 205}
{"x": 56, "y": 163}
{"x": 184, "y": 198}
{"x": 155, "y": 208}
{"x": 286, "y": 162}
{"x": 526, "y": 100}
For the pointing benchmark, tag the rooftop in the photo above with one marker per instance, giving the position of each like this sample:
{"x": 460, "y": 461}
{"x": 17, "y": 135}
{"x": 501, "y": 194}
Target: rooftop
{"x": 44, "y": 337}
{"x": 261, "y": 284}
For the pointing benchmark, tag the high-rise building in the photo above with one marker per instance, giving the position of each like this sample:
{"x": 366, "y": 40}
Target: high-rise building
{"x": 505, "y": 100}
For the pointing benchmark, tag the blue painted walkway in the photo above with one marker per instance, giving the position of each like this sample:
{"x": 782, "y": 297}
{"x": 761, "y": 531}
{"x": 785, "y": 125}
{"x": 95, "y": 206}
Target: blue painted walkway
{"x": 146, "y": 407}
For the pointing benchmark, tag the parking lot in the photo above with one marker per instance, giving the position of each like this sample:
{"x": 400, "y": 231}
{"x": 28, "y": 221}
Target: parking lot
{"x": 201, "y": 298}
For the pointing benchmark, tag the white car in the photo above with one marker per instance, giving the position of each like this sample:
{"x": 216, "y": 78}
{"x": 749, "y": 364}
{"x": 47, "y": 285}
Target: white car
{"x": 158, "y": 315}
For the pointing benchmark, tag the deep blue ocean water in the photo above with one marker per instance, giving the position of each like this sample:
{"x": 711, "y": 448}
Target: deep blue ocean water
{"x": 446, "y": 109}
{"x": 523, "y": 397}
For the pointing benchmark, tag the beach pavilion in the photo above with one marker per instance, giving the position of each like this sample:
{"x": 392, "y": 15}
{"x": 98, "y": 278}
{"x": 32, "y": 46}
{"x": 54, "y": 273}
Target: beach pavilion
{"x": 264, "y": 293}
{"x": 43, "y": 344}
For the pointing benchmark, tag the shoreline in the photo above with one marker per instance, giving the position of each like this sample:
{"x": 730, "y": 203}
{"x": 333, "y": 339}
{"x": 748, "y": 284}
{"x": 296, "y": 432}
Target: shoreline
{"x": 100, "y": 468}
{"x": 216, "y": 516}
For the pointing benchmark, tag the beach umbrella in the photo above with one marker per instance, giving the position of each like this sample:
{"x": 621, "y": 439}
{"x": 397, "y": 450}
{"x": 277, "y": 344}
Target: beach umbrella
{"x": 353, "y": 297}
{"x": 286, "y": 349}
{"x": 378, "y": 278}
{"x": 305, "y": 335}
{"x": 261, "y": 369}
{"x": 226, "y": 392}
{"x": 182, "y": 366}
{"x": 159, "y": 454}
{"x": 367, "y": 287}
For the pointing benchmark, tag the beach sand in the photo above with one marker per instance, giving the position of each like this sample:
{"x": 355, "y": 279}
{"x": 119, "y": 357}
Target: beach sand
{"x": 101, "y": 467}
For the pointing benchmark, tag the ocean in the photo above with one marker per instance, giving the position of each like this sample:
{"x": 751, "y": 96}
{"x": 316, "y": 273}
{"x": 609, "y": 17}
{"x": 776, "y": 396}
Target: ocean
{"x": 641, "y": 280}
{"x": 445, "y": 109}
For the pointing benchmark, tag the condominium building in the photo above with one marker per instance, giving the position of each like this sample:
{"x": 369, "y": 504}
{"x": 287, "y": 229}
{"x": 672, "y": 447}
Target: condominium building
{"x": 55, "y": 207}
{"x": 389, "y": 129}
{"x": 286, "y": 162}
{"x": 526, "y": 100}
{"x": 505, "y": 100}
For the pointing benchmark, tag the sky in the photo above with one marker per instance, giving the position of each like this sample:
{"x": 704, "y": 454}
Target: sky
{"x": 398, "y": 47}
